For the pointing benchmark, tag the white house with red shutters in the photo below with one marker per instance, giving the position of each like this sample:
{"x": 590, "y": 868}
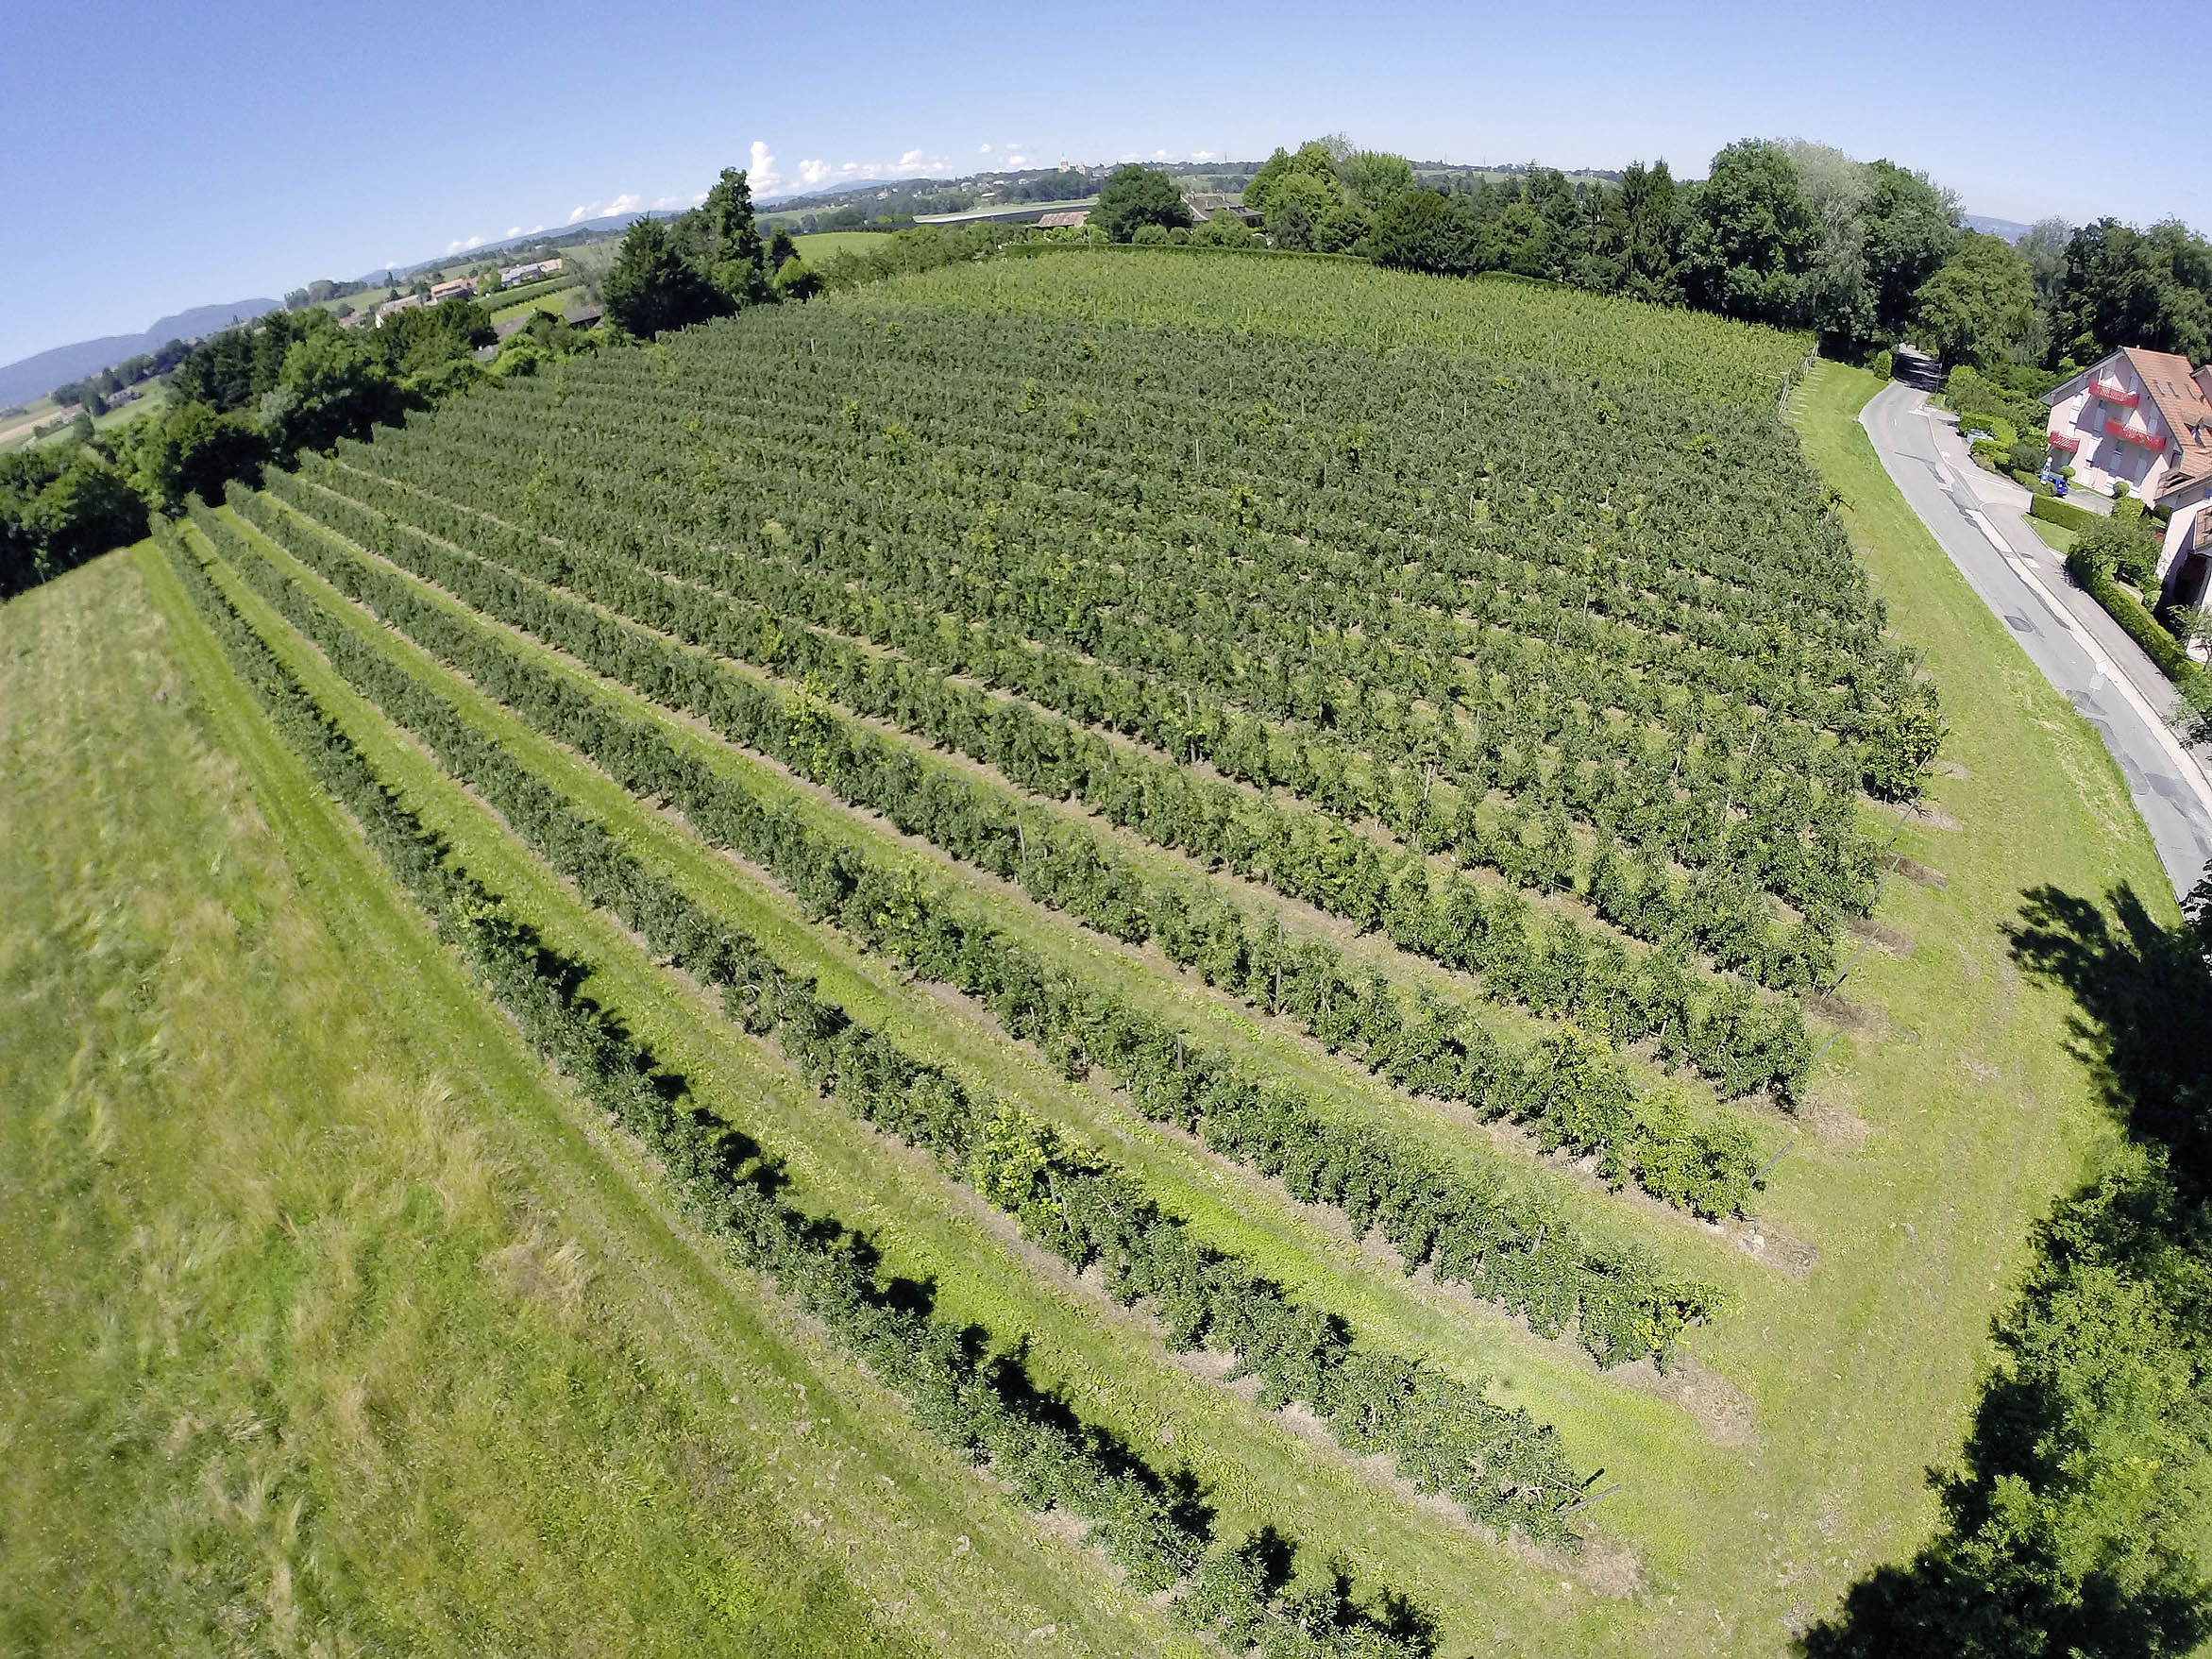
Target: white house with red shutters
{"x": 2141, "y": 418}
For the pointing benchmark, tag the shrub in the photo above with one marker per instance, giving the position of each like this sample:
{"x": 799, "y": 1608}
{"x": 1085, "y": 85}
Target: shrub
{"x": 2067, "y": 513}
{"x": 2087, "y": 568}
{"x": 1884, "y": 364}
{"x": 2119, "y": 547}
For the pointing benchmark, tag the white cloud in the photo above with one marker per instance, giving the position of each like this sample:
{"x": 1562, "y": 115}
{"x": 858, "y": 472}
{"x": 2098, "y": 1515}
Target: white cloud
{"x": 624, "y": 203}
{"x": 465, "y": 247}
{"x": 1159, "y": 155}
{"x": 983, "y": 149}
{"x": 1203, "y": 156}
{"x": 515, "y": 231}
{"x": 813, "y": 171}
{"x": 673, "y": 201}
{"x": 762, "y": 175}
{"x": 700, "y": 197}
{"x": 579, "y": 211}
{"x": 535, "y": 229}
{"x": 912, "y": 158}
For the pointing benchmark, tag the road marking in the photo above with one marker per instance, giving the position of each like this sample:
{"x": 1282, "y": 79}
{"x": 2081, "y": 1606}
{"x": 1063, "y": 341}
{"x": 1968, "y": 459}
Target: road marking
{"x": 2185, "y": 763}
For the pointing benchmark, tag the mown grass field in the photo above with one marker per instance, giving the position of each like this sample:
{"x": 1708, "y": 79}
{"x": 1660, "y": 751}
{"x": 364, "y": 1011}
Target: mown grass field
{"x": 827, "y": 244}
{"x": 556, "y": 301}
{"x": 505, "y": 1238}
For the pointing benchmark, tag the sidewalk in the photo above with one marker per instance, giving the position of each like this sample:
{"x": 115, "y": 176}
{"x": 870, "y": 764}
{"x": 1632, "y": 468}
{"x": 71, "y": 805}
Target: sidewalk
{"x": 1979, "y": 519}
{"x": 2004, "y": 505}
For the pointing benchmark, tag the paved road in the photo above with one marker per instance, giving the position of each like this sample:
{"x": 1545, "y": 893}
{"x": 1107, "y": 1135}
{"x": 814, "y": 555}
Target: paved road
{"x": 1979, "y": 521}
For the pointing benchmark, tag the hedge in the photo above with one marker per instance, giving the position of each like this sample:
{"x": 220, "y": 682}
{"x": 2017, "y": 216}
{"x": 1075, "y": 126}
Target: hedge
{"x": 2130, "y": 614}
{"x": 2067, "y": 513}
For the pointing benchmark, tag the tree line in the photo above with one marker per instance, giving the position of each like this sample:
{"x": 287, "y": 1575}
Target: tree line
{"x": 1793, "y": 234}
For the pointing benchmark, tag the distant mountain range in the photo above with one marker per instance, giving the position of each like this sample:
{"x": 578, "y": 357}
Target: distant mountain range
{"x": 2011, "y": 229}
{"x": 34, "y": 377}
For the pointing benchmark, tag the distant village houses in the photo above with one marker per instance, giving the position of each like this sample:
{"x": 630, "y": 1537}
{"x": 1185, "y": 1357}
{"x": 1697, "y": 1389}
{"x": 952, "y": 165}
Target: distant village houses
{"x": 1205, "y": 204}
{"x": 515, "y": 274}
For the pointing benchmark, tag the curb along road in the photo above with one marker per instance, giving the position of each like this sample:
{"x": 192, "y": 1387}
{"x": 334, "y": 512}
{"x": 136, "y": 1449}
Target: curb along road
{"x": 1979, "y": 520}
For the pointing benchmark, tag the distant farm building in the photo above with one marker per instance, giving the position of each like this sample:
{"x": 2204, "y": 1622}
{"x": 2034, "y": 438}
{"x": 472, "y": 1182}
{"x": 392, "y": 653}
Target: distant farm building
{"x": 405, "y": 302}
{"x": 1205, "y": 204}
{"x": 506, "y": 325}
{"x": 515, "y": 274}
{"x": 584, "y": 316}
{"x": 460, "y": 288}
{"x": 1074, "y": 221}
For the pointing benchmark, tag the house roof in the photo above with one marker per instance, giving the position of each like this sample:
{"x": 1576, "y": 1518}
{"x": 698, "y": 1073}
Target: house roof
{"x": 1063, "y": 221}
{"x": 2170, "y": 384}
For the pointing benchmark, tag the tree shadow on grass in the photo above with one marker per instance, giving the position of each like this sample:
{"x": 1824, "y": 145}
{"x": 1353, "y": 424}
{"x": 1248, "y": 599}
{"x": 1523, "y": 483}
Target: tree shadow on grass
{"x": 2076, "y": 1520}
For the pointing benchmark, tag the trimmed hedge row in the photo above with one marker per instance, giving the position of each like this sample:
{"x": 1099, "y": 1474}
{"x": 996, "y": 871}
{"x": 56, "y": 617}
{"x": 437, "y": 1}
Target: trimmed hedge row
{"x": 1554, "y": 966}
{"x": 2070, "y": 514}
{"x": 2130, "y": 613}
{"x": 1503, "y": 1468}
{"x": 1527, "y": 1258}
{"x": 983, "y": 1406}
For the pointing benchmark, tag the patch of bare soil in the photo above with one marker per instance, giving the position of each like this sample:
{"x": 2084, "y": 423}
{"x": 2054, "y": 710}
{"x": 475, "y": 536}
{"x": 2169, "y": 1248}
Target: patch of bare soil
{"x": 1712, "y": 1402}
{"x": 1951, "y": 768}
{"x": 1853, "y": 1017}
{"x": 1835, "y": 1124}
{"x": 1895, "y": 939}
{"x": 1914, "y": 871}
{"x": 1604, "y": 1566}
{"x": 1929, "y": 816}
{"x": 1763, "y": 1242}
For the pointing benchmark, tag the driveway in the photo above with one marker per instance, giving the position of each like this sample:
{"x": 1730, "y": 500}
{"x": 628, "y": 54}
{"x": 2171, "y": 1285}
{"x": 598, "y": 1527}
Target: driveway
{"x": 1980, "y": 520}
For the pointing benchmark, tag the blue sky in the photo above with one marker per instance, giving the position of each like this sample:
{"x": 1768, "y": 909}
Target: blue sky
{"x": 171, "y": 155}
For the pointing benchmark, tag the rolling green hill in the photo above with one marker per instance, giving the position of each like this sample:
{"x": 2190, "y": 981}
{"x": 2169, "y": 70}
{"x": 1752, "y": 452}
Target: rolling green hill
{"x": 1082, "y": 950}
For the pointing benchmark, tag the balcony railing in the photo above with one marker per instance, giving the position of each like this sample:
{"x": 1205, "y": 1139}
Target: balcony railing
{"x": 2128, "y": 435}
{"x": 2112, "y": 391}
{"x": 2064, "y": 441}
